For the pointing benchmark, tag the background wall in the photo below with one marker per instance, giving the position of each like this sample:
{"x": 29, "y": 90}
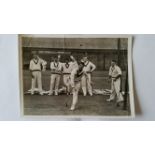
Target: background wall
{"x": 100, "y": 50}
{"x": 143, "y": 67}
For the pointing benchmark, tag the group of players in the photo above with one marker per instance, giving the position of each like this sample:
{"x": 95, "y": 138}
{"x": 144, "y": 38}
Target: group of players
{"x": 76, "y": 75}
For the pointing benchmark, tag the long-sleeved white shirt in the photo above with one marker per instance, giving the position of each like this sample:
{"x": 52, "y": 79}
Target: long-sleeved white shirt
{"x": 36, "y": 65}
{"x": 89, "y": 67}
{"x": 56, "y": 67}
{"x": 67, "y": 69}
{"x": 115, "y": 71}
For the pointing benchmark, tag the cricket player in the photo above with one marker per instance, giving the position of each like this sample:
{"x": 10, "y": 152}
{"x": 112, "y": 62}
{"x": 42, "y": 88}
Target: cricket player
{"x": 36, "y": 66}
{"x": 115, "y": 74}
{"x": 73, "y": 62}
{"x": 89, "y": 67}
{"x": 76, "y": 76}
{"x": 56, "y": 70}
{"x": 67, "y": 68}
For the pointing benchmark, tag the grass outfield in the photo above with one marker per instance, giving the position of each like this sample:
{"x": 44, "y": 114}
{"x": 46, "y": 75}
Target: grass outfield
{"x": 55, "y": 105}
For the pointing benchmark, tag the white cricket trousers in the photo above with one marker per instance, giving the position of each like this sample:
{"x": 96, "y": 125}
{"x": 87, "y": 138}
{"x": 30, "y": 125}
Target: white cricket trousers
{"x": 54, "y": 83}
{"x": 36, "y": 79}
{"x": 66, "y": 80}
{"x": 86, "y": 84}
{"x": 115, "y": 88}
{"x": 75, "y": 93}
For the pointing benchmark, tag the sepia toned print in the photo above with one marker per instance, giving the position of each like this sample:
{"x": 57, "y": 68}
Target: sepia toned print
{"x": 76, "y": 75}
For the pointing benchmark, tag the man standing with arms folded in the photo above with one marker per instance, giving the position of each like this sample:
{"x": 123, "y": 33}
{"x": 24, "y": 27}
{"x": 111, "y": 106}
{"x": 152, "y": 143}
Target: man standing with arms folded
{"x": 36, "y": 66}
{"x": 115, "y": 75}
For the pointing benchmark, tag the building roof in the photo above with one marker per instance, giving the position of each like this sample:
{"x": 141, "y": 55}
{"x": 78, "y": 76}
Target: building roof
{"x": 74, "y": 43}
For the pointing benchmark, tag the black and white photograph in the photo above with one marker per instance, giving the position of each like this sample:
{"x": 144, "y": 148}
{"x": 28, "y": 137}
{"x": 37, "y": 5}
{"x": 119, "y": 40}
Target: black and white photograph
{"x": 76, "y": 75}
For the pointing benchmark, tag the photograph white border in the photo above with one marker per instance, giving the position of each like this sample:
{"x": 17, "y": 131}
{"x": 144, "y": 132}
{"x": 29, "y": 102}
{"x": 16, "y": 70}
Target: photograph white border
{"x": 78, "y": 117}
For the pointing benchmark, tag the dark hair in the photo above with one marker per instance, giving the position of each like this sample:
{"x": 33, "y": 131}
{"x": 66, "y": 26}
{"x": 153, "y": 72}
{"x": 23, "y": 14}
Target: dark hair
{"x": 34, "y": 53}
{"x": 114, "y": 61}
{"x": 67, "y": 59}
{"x": 81, "y": 63}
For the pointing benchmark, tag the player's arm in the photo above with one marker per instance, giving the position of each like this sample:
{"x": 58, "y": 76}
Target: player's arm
{"x": 74, "y": 61}
{"x": 44, "y": 66}
{"x": 52, "y": 67}
{"x": 30, "y": 68}
{"x": 72, "y": 77}
{"x": 61, "y": 67}
{"x": 119, "y": 73}
{"x": 117, "y": 77}
{"x": 59, "y": 57}
{"x": 109, "y": 75}
{"x": 31, "y": 65}
{"x": 43, "y": 63}
{"x": 93, "y": 67}
{"x": 72, "y": 58}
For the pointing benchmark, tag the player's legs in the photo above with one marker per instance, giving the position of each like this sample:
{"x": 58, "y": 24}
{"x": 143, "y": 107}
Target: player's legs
{"x": 90, "y": 90}
{"x": 113, "y": 92}
{"x": 84, "y": 84}
{"x": 65, "y": 82}
{"x": 119, "y": 95}
{"x": 75, "y": 95}
{"x": 52, "y": 82}
{"x": 57, "y": 82}
{"x": 33, "y": 84}
{"x": 39, "y": 81}
{"x": 68, "y": 85}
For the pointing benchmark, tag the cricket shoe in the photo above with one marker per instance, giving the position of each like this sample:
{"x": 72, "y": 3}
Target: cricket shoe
{"x": 41, "y": 93}
{"x": 50, "y": 94}
{"x": 72, "y": 108}
{"x": 119, "y": 103}
{"x": 108, "y": 100}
